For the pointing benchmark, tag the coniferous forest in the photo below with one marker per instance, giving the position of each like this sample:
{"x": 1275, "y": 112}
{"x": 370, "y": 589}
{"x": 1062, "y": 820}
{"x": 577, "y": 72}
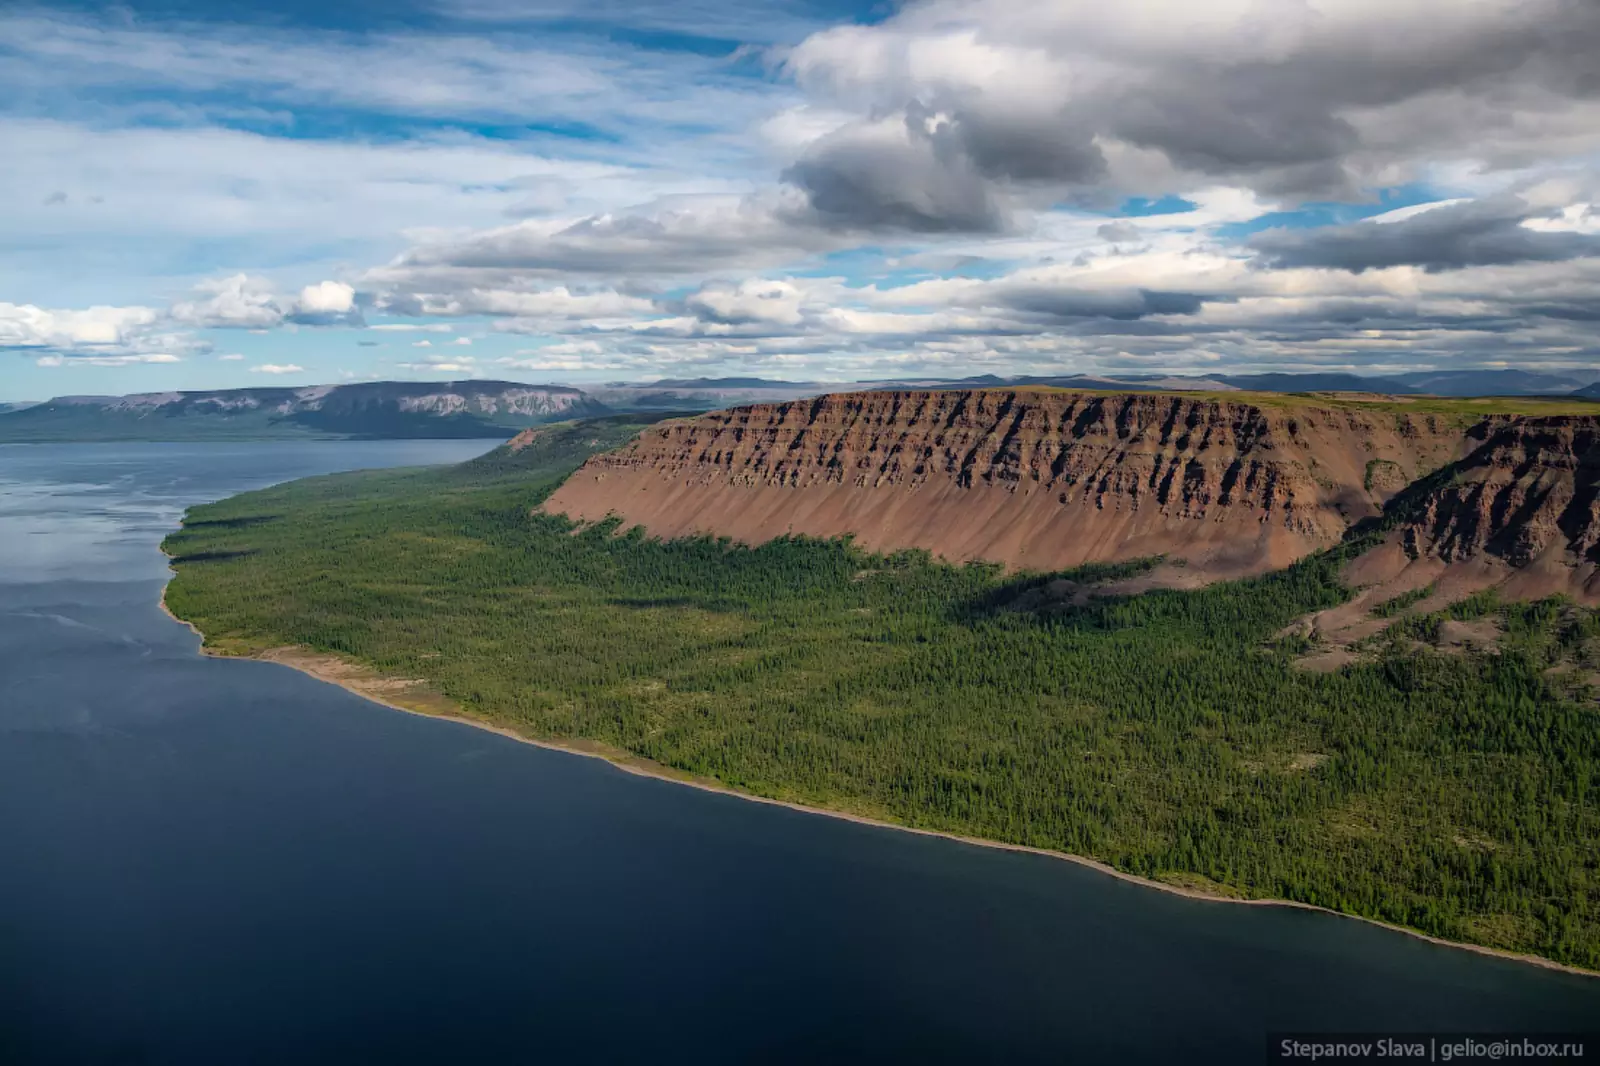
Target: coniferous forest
{"x": 1169, "y": 734}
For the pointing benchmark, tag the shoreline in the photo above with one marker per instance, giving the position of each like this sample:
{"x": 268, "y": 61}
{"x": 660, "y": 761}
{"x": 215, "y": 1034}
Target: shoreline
{"x": 317, "y": 665}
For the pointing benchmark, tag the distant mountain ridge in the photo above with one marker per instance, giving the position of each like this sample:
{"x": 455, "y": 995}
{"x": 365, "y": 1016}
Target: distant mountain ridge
{"x": 1508, "y": 382}
{"x": 474, "y": 408}
{"x": 384, "y": 409}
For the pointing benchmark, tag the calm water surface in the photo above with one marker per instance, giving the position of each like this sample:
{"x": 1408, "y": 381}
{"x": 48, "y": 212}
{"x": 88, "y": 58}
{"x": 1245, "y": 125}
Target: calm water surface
{"x": 226, "y": 862}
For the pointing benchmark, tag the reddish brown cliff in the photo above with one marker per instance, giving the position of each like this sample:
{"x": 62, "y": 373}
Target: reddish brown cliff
{"x": 1037, "y": 479}
{"x": 1529, "y": 492}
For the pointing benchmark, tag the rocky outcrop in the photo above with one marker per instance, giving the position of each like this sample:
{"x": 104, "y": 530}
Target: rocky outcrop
{"x": 1531, "y": 489}
{"x": 1029, "y": 478}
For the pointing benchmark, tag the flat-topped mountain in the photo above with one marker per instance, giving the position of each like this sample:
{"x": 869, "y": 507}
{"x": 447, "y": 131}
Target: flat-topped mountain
{"x": 366, "y": 409}
{"x": 1034, "y": 478}
{"x": 1229, "y": 484}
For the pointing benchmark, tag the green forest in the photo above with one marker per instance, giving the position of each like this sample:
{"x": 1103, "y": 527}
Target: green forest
{"x": 1167, "y": 734}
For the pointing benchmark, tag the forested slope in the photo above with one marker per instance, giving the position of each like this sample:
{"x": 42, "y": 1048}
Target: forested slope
{"x": 1170, "y": 734}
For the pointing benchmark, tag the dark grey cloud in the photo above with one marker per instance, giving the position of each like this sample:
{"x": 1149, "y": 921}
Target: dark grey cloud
{"x": 1295, "y": 104}
{"x": 1486, "y": 232}
{"x": 1568, "y": 311}
{"x": 1007, "y": 145}
{"x": 871, "y": 181}
{"x": 1118, "y": 305}
{"x": 1119, "y": 232}
{"x": 1305, "y": 123}
{"x": 1232, "y": 124}
{"x": 943, "y": 172}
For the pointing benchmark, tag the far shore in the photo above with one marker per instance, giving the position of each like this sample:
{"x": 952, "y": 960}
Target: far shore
{"x": 369, "y": 685}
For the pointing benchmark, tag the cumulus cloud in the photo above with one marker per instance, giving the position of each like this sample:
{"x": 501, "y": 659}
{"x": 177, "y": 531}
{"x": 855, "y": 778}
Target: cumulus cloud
{"x": 277, "y": 368}
{"x": 326, "y": 303}
{"x": 776, "y": 302}
{"x": 940, "y": 191}
{"x": 896, "y": 175}
{"x": 241, "y": 301}
{"x": 95, "y": 336}
{"x": 235, "y": 302}
{"x": 26, "y": 326}
{"x": 1292, "y": 100}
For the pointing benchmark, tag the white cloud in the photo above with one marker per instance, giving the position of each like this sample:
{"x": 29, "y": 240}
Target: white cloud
{"x": 755, "y": 300}
{"x": 277, "y": 368}
{"x": 235, "y": 302}
{"x": 455, "y": 363}
{"x": 94, "y": 336}
{"x": 107, "y": 360}
{"x": 445, "y": 368}
{"x": 241, "y": 301}
{"x": 326, "y": 298}
{"x": 557, "y": 302}
{"x": 27, "y": 326}
{"x": 233, "y": 358}
{"x": 1400, "y": 214}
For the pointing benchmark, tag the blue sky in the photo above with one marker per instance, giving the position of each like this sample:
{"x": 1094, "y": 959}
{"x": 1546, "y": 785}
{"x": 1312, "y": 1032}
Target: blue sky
{"x": 208, "y": 194}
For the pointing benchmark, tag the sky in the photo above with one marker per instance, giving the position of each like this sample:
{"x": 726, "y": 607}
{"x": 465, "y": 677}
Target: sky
{"x": 205, "y": 194}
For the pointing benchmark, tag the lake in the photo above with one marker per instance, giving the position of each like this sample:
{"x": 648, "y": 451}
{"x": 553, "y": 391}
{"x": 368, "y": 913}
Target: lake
{"x": 210, "y": 861}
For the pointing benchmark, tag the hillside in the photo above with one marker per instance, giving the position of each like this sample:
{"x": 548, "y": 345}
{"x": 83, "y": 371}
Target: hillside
{"x": 1444, "y": 775}
{"x": 1231, "y": 484}
{"x": 364, "y": 410}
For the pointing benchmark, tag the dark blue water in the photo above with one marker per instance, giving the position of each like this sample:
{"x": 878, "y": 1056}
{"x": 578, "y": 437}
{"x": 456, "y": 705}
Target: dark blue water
{"x": 205, "y": 861}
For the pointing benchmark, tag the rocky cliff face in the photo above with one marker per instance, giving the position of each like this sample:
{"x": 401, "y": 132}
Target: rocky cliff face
{"x": 1039, "y": 479}
{"x": 1531, "y": 490}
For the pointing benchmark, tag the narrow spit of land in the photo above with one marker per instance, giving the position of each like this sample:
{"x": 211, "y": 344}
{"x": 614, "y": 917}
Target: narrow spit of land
{"x": 1167, "y": 736}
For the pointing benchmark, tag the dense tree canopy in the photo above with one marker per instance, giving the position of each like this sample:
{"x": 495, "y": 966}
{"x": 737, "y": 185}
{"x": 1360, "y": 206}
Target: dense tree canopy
{"x": 1169, "y": 734}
